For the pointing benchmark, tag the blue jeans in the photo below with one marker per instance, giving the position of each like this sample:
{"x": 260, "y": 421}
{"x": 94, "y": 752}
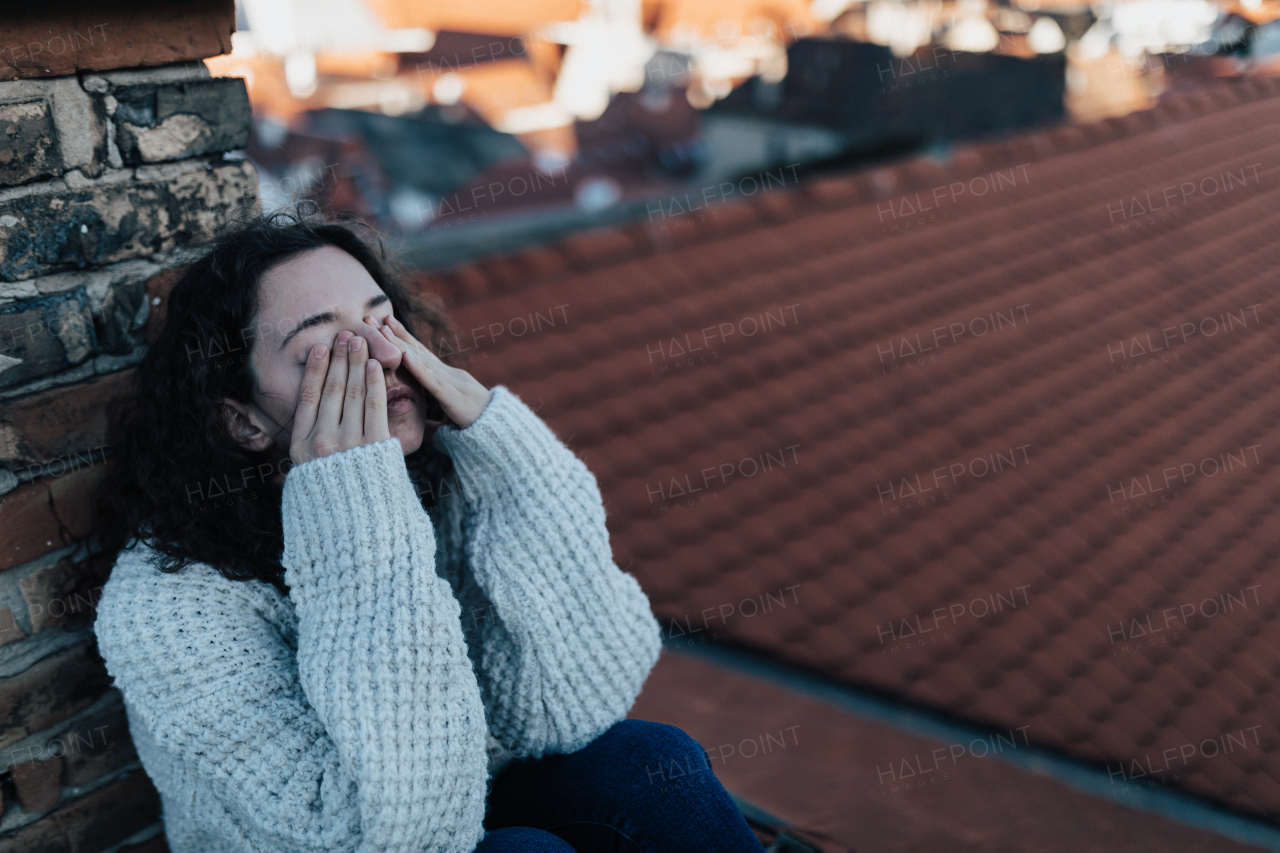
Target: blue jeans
{"x": 640, "y": 787}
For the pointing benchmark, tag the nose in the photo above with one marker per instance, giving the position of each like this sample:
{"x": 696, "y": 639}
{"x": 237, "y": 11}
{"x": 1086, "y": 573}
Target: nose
{"x": 380, "y": 349}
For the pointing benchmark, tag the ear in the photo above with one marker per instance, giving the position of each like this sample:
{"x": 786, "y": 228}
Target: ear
{"x": 247, "y": 425}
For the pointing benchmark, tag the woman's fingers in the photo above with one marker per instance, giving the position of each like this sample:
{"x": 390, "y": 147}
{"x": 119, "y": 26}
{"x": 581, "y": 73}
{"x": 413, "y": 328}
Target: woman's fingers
{"x": 334, "y": 386}
{"x": 385, "y": 351}
{"x": 422, "y": 368}
{"x": 304, "y": 417}
{"x": 398, "y": 327}
{"x": 405, "y": 339}
{"x": 427, "y": 377}
{"x": 383, "y": 331}
{"x": 351, "y": 433}
{"x": 459, "y": 393}
{"x": 399, "y": 335}
{"x": 375, "y": 403}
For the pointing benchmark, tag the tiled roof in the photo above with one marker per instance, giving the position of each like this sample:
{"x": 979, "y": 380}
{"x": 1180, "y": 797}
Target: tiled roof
{"x": 1043, "y": 424}
{"x": 858, "y": 784}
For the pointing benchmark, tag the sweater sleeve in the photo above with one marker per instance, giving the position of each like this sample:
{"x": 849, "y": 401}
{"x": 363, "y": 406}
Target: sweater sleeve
{"x": 371, "y": 736}
{"x": 568, "y": 638}
{"x": 381, "y": 654}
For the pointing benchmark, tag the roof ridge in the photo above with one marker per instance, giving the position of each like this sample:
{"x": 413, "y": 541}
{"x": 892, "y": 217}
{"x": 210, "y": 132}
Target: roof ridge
{"x": 582, "y": 250}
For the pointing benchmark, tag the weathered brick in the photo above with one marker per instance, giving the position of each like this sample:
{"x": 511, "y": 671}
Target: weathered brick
{"x": 10, "y": 630}
{"x": 44, "y": 335}
{"x": 50, "y": 691}
{"x": 37, "y": 784}
{"x": 61, "y": 430}
{"x": 110, "y": 81}
{"x": 55, "y": 227}
{"x": 73, "y": 499}
{"x": 123, "y": 313}
{"x": 72, "y": 134}
{"x": 28, "y": 145}
{"x": 117, "y": 299}
{"x": 95, "y": 746}
{"x": 65, "y": 594}
{"x": 157, "y": 123}
{"x": 91, "y": 747}
{"x": 158, "y": 287}
{"x": 28, "y": 526}
{"x": 94, "y": 822}
{"x": 50, "y": 40}
{"x": 46, "y": 515}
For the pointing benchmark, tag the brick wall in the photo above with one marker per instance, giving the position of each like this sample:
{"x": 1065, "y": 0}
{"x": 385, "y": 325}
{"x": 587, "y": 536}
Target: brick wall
{"x": 111, "y": 141}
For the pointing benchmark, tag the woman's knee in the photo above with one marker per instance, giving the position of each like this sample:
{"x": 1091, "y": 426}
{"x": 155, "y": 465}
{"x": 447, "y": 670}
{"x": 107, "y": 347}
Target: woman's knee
{"x": 522, "y": 839}
{"x": 655, "y": 742}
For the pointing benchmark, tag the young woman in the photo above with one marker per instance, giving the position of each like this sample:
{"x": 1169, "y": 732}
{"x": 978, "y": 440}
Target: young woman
{"x": 364, "y": 603}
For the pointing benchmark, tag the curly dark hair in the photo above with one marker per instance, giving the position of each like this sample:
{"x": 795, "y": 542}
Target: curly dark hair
{"x": 176, "y": 454}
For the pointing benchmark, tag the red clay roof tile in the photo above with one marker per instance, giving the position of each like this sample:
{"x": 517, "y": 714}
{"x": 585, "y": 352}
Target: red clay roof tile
{"x": 1061, "y": 387}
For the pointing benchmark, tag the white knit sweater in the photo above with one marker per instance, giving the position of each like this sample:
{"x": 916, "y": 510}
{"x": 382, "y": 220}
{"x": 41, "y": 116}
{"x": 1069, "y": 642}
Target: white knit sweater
{"x": 355, "y": 713}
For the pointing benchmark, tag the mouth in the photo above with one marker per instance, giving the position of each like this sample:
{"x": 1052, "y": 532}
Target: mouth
{"x": 402, "y": 398}
{"x": 400, "y": 401}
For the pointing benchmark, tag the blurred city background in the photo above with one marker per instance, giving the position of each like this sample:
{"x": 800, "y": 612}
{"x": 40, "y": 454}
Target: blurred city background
{"x": 464, "y": 129}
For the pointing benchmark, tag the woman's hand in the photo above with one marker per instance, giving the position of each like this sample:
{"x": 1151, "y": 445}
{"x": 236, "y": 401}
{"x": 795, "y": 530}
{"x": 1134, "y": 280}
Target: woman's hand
{"x": 342, "y": 403}
{"x": 460, "y": 394}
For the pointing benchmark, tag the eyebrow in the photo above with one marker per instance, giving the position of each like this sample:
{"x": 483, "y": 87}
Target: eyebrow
{"x": 328, "y": 317}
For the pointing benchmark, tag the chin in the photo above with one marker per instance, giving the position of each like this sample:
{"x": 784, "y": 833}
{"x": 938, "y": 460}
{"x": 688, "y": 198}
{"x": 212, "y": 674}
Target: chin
{"x": 411, "y": 435}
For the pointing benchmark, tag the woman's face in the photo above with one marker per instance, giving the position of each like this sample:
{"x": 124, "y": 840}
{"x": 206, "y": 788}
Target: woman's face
{"x": 308, "y": 300}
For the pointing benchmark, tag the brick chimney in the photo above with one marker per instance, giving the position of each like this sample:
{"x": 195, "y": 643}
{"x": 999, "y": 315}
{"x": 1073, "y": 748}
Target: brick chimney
{"x": 112, "y": 141}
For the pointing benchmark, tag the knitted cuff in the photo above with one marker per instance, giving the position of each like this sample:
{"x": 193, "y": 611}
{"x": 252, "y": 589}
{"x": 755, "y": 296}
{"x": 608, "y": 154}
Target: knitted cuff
{"x": 356, "y": 508}
{"x": 507, "y": 445}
